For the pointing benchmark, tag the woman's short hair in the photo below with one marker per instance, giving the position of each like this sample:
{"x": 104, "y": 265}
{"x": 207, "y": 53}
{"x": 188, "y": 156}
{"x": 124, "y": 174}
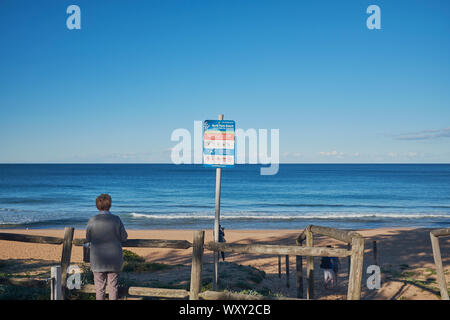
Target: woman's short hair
{"x": 103, "y": 202}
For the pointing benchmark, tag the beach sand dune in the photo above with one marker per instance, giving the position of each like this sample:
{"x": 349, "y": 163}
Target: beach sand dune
{"x": 404, "y": 255}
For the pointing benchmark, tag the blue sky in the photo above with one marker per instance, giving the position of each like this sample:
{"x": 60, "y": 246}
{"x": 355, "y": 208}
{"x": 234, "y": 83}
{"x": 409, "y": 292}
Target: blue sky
{"x": 137, "y": 70}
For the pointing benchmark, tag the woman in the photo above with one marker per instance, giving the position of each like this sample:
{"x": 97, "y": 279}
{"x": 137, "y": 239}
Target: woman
{"x": 106, "y": 232}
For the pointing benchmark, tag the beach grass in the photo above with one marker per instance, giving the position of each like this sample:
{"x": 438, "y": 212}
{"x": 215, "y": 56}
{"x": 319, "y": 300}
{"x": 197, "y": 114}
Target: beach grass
{"x": 23, "y": 293}
{"x": 135, "y": 263}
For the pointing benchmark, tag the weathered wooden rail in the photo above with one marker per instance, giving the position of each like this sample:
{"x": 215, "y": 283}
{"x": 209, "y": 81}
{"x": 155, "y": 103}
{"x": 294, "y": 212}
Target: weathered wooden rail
{"x": 184, "y": 294}
{"x": 30, "y": 238}
{"x": 222, "y": 295}
{"x": 434, "y": 235}
{"x": 277, "y": 249}
{"x": 147, "y": 243}
{"x": 146, "y": 292}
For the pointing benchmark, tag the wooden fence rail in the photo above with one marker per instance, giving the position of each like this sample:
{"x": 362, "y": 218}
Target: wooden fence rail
{"x": 223, "y": 295}
{"x": 434, "y": 235}
{"x": 441, "y": 232}
{"x": 341, "y": 235}
{"x": 147, "y": 243}
{"x": 143, "y": 243}
{"x": 30, "y": 238}
{"x": 145, "y": 292}
{"x": 277, "y": 249}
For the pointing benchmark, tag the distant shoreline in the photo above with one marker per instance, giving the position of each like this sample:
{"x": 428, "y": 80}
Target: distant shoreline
{"x": 237, "y": 164}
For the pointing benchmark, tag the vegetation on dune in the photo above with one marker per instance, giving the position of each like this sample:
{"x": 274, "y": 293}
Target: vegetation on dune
{"x": 23, "y": 293}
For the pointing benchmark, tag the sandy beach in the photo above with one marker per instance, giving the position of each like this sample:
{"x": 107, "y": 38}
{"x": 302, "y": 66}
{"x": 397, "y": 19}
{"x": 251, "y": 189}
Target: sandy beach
{"x": 404, "y": 255}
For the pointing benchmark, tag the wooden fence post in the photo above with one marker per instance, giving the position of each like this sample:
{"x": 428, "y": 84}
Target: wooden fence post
{"x": 55, "y": 284}
{"x": 287, "y": 271}
{"x": 375, "y": 253}
{"x": 65, "y": 257}
{"x": 279, "y": 267}
{"x": 299, "y": 269}
{"x": 309, "y": 265}
{"x": 349, "y": 259}
{"x": 439, "y": 269}
{"x": 356, "y": 269}
{"x": 197, "y": 264}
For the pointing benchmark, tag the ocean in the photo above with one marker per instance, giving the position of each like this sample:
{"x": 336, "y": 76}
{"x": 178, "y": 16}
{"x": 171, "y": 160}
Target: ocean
{"x": 168, "y": 196}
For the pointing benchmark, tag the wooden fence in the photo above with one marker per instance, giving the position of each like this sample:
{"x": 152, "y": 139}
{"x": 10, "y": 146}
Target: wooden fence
{"x": 58, "y": 286}
{"x": 355, "y": 254}
{"x": 58, "y": 280}
{"x": 65, "y": 261}
{"x": 434, "y": 235}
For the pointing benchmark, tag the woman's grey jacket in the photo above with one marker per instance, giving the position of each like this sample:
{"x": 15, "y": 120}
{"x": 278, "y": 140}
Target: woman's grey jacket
{"x": 106, "y": 233}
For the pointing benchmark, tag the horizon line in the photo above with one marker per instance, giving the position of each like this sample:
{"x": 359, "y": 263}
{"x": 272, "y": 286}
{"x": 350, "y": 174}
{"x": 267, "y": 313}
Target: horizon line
{"x": 237, "y": 164}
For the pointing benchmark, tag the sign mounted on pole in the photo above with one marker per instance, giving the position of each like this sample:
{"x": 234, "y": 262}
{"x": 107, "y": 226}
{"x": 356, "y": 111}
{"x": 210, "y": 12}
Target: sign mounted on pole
{"x": 218, "y": 152}
{"x": 218, "y": 143}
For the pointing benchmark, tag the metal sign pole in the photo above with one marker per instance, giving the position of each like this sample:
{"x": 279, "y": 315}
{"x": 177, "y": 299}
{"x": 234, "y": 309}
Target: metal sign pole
{"x": 217, "y": 222}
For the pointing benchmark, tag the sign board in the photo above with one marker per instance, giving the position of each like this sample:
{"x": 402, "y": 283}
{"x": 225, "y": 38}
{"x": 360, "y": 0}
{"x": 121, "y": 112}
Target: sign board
{"x": 218, "y": 143}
